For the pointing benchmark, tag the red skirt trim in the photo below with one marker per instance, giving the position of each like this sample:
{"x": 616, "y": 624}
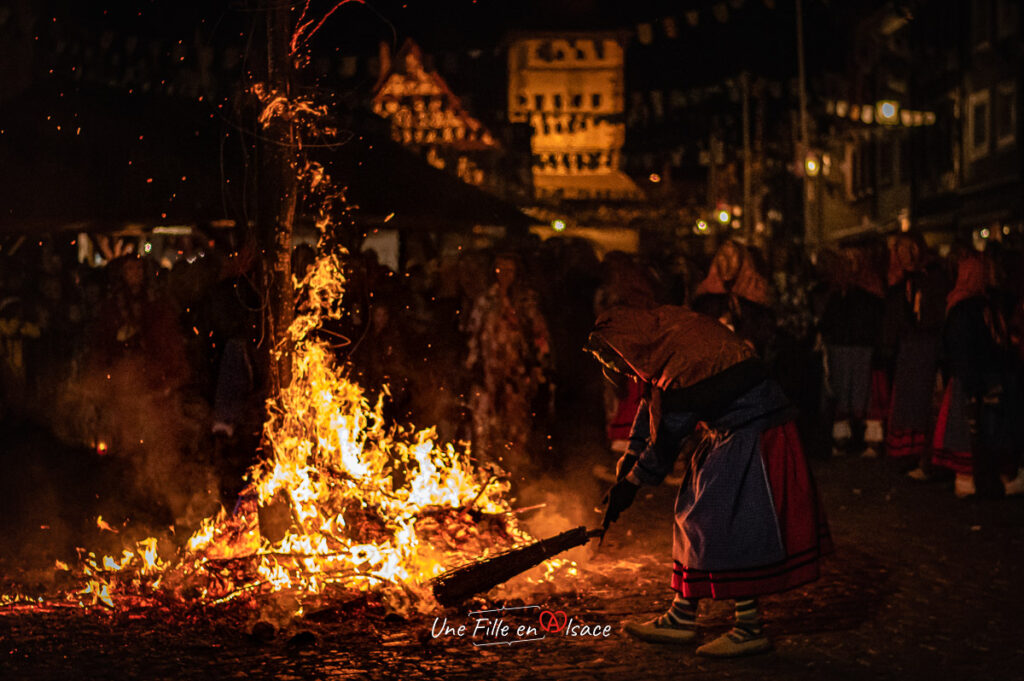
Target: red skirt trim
{"x": 959, "y": 462}
{"x": 900, "y": 443}
{"x": 802, "y": 524}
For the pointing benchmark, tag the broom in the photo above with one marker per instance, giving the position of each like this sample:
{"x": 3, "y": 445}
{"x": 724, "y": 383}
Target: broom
{"x": 457, "y": 585}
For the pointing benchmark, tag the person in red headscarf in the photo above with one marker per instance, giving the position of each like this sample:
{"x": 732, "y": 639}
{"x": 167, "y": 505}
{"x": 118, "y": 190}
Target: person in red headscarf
{"x": 915, "y": 310}
{"x": 974, "y": 414}
{"x": 851, "y": 326}
{"x": 748, "y": 521}
{"x": 737, "y": 293}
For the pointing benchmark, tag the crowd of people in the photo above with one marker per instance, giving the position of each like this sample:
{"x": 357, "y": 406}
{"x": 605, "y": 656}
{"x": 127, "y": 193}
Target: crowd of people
{"x": 885, "y": 347}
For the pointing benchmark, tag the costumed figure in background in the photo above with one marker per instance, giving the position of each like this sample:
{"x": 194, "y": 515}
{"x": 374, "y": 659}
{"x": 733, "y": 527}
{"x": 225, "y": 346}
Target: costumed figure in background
{"x": 736, "y": 293}
{"x": 232, "y": 315}
{"x": 915, "y": 310}
{"x": 137, "y": 321}
{"x": 851, "y": 326}
{"x": 17, "y": 333}
{"x": 747, "y": 518}
{"x": 981, "y": 405}
{"x": 510, "y": 350}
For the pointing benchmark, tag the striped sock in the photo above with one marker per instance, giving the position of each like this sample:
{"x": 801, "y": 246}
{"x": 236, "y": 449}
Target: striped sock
{"x": 748, "y": 621}
{"x": 681, "y": 615}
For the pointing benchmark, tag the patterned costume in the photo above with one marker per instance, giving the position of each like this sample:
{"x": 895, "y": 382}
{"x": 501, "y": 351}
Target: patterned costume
{"x": 510, "y": 347}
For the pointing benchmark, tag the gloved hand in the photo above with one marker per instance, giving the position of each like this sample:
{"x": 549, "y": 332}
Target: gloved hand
{"x": 625, "y": 465}
{"x": 619, "y": 498}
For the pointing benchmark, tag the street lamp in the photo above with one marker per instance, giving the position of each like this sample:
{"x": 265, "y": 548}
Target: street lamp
{"x": 811, "y": 165}
{"x": 887, "y": 111}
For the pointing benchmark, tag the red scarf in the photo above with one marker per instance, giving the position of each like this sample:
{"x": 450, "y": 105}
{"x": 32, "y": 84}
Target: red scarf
{"x": 749, "y": 284}
{"x": 973, "y": 275}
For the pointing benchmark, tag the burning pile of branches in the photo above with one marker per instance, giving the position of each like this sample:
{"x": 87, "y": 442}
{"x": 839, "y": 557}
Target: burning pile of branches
{"x": 342, "y": 504}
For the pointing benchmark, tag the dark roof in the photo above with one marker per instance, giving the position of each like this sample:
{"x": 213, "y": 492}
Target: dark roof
{"x": 119, "y": 159}
{"x": 382, "y": 178}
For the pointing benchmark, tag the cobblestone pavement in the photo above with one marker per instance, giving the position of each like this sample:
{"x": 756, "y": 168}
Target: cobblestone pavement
{"x": 922, "y": 586}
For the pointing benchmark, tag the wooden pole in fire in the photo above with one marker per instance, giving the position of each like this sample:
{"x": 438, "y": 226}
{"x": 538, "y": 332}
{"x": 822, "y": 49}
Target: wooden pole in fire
{"x": 748, "y": 204}
{"x": 811, "y": 235}
{"x": 278, "y": 197}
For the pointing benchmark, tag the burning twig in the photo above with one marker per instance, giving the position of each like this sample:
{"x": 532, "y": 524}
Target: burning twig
{"x": 483, "y": 488}
{"x": 525, "y": 509}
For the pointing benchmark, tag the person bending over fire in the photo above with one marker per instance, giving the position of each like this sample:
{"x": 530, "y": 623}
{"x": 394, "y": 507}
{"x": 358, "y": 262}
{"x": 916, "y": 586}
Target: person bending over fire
{"x": 747, "y": 518}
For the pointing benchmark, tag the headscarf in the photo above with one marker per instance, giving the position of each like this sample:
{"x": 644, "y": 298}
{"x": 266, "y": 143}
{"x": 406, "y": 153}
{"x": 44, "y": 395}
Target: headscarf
{"x": 861, "y": 274}
{"x": 905, "y": 256}
{"x": 722, "y": 272}
{"x": 973, "y": 276}
{"x": 744, "y": 281}
{"x": 752, "y": 285}
{"x": 665, "y": 347}
{"x": 625, "y": 283}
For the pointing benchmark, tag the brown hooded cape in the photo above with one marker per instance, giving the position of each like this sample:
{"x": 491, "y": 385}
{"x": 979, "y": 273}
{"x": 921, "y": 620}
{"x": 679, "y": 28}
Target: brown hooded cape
{"x": 676, "y": 349}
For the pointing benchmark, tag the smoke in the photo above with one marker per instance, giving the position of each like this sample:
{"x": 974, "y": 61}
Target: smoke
{"x": 153, "y": 435}
{"x": 566, "y": 503}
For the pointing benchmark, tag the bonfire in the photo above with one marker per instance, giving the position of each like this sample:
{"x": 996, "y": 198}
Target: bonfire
{"x": 358, "y": 506}
{"x": 342, "y": 503}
